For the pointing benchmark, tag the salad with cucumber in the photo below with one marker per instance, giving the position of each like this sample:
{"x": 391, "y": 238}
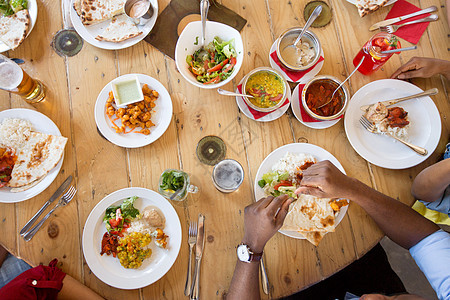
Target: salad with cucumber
{"x": 213, "y": 63}
{"x": 118, "y": 218}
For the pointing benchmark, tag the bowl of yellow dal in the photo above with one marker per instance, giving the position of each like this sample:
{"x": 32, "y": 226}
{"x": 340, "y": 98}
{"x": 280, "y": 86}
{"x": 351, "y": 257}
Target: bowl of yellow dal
{"x": 267, "y": 87}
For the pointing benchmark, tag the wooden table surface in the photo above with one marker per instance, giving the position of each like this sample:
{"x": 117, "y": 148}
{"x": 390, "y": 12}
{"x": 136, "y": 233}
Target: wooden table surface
{"x": 100, "y": 167}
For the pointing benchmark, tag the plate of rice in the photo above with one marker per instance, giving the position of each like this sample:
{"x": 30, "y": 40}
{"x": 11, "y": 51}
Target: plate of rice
{"x": 424, "y": 128}
{"x": 125, "y": 215}
{"x": 281, "y": 172}
{"x": 15, "y": 127}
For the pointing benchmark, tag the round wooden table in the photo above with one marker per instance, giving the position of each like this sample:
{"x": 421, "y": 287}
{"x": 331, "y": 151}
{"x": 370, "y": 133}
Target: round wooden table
{"x": 100, "y": 167}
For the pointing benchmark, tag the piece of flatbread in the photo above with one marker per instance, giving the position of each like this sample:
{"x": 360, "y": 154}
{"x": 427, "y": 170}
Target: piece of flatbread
{"x": 310, "y": 214}
{"x": 368, "y": 6}
{"x": 77, "y": 7}
{"x": 313, "y": 237}
{"x": 120, "y": 29}
{"x": 40, "y": 154}
{"x": 96, "y": 11}
{"x": 26, "y": 187}
{"x": 14, "y": 28}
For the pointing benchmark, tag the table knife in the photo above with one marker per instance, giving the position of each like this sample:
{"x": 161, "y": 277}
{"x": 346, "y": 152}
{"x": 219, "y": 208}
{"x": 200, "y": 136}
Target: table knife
{"x": 429, "y": 92}
{"x": 198, "y": 257}
{"x": 58, "y": 192}
{"x": 395, "y": 20}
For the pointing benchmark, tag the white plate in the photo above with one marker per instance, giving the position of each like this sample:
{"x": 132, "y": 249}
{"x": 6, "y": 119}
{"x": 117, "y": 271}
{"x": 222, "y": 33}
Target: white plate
{"x": 267, "y": 118}
{"x": 108, "y": 268}
{"x": 271, "y": 159}
{"x": 295, "y": 105}
{"x": 390, "y": 2}
{"x": 307, "y": 77}
{"x": 88, "y": 33}
{"x": 161, "y": 118}
{"x": 185, "y": 46}
{"x": 41, "y": 123}
{"x": 383, "y": 151}
{"x": 32, "y": 11}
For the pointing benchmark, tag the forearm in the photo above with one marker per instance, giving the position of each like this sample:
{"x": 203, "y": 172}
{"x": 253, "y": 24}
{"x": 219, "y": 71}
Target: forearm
{"x": 245, "y": 282}
{"x": 431, "y": 183}
{"x": 399, "y": 222}
{"x": 445, "y": 66}
{"x": 73, "y": 289}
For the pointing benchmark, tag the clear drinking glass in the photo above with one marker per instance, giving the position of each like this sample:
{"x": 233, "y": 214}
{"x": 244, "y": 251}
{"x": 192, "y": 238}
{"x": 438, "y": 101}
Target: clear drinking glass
{"x": 228, "y": 175}
{"x": 180, "y": 194}
{"x": 15, "y": 80}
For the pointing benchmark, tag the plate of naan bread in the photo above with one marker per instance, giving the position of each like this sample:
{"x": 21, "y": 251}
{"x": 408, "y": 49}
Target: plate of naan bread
{"x": 31, "y": 154}
{"x": 104, "y": 24}
{"x": 309, "y": 217}
{"x": 17, "y": 19}
{"x": 366, "y": 7}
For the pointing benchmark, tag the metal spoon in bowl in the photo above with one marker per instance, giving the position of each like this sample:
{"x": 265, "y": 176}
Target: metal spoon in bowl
{"x": 311, "y": 19}
{"x": 228, "y": 93}
{"x": 360, "y": 63}
{"x": 204, "y": 7}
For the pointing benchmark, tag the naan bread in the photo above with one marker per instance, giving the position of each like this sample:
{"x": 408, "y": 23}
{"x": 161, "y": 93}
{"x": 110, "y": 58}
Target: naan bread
{"x": 313, "y": 237}
{"x": 96, "y": 11}
{"x": 120, "y": 29}
{"x": 77, "y": 7}
{"x": 40, "y": 154}
{"x": 26, "y": 187}
{"x": 367, "y": 6}
{"x": 14, "y": 28}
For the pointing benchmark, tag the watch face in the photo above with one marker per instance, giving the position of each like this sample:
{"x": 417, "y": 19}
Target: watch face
{"x": 242, "y": 253}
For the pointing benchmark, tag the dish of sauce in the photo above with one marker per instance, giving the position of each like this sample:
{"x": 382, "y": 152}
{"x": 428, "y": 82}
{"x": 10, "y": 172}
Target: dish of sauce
{"x": 139, "y": 8}
{"x": 266, "y": 88}
{"x": 127, "y": 91}
{"x": 319, "y": 93}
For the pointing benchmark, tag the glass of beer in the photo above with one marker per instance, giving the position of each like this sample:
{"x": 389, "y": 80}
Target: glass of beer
{"x": 15, "y": 80}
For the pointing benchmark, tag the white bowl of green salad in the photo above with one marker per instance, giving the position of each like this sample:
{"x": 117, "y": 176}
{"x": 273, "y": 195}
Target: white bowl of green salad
{"x": 217, "y": 63}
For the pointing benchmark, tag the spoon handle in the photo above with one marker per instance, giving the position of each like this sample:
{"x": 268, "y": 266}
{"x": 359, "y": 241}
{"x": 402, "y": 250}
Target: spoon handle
{"x": 357, "y": 67}
{"x": 204, "y": 7}
{"x": 311, "y": 19}
{"x": 228, "y": 93}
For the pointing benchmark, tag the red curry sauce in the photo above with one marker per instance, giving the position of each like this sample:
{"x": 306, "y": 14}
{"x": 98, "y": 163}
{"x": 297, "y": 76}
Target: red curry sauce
{"x": 319, "y": 93}
{"x": 7, "y": 161}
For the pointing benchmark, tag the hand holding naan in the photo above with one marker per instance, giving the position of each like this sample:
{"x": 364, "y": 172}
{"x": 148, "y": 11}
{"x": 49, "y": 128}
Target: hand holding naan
{"x": 263, "y": 219}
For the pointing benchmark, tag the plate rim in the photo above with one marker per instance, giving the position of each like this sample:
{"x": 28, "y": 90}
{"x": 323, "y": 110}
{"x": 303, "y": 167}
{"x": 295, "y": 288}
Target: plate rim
{"x": 400, "y": 165}
{"x": 343, "y": 211}
{"x": 108, "y": 200}
{"x": 52, "y": 173}
{"x": 99, "y": 112}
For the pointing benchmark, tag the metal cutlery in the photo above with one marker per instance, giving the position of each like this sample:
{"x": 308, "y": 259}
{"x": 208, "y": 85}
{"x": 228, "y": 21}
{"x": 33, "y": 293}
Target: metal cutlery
{"x": 199, "y": 245}
{"x": 191, "y": 241}
{"x": 399, "y": 50}
{"x": 264, "y": 278}
{"x": 58, "y": 192}
{"x": 395, "y": 20}
{"x": 371, "y": 128}
{"x": 394, "y": 28}
{"x": 65, "y": 199}
{"x": 204, "y": 7}
{"x": 228, "y": 93}
{"x": 429, "y": 92}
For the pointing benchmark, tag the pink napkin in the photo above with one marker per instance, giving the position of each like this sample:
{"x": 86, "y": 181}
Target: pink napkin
{"x": 305, "y": 116}
{"x": 294, "y": 76}
{"x": 411, "y": 33}
{"x": 259, "y": 114}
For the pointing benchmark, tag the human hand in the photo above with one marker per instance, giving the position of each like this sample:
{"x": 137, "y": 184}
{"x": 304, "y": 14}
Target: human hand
{"x": 263, "y": 219}
{"x": 422, "y": 67}
{"x": 324, "y": 180}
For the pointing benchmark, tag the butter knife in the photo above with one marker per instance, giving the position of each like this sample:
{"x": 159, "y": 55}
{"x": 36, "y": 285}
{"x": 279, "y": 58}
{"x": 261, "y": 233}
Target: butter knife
{"x": 395, "y": 20}
{"x": 429, "y": 92}
{"x": 198, "y": 257}
{"x": 58, "y": 192}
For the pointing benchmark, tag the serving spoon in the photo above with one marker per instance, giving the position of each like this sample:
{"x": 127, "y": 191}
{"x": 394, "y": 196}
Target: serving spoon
{"x": 204, "y": 7}
{"x": 228, "y": 93}
{"x": 311, "y": 19}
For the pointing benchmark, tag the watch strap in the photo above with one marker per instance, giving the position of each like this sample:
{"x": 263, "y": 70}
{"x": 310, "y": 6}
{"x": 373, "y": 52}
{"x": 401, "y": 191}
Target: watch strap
{"x": 256, "y": 256}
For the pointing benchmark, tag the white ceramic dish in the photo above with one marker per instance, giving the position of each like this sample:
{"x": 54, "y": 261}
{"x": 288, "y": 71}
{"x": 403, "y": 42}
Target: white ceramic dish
{"x": 424, "y": 128}
{"x": 32, "y": 11}
{"x": 88, "y": 33}
{"x": 107, "y": 268}
{"x": 271, "y": 159}
{"x": 161, "y": 118}
{"x": 41, "y": 123}
{"x": 185, "y": 46}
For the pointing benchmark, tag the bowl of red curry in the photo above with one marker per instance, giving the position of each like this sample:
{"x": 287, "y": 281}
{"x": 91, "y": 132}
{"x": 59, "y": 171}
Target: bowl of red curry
{"x": 318, "y": 91}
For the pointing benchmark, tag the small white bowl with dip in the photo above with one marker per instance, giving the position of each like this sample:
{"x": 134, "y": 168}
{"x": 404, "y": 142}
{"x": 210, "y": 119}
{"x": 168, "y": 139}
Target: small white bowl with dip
{"x": 126, "y": 90}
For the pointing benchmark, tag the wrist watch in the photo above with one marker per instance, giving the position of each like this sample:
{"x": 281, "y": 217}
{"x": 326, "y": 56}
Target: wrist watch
{"x": 246, "y": 255}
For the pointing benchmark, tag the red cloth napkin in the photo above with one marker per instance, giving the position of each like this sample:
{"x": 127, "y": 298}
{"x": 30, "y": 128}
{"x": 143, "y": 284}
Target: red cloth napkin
{"x": 305, "y": 116}
{"x": 294, "y": 76}
{"x": 411, "y": 33}
{"x": 259, "y": 114}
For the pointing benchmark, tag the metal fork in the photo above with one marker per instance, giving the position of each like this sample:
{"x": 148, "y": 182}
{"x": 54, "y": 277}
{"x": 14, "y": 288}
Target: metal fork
{"x": 63, "y": 201}
{"x": 191, "y": 241}
{"x": 371, "y": 128}
{"x": 394, "y": 28}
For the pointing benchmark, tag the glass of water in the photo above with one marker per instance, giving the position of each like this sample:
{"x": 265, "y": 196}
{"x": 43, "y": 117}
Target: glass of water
{"x": 227, "y": 175}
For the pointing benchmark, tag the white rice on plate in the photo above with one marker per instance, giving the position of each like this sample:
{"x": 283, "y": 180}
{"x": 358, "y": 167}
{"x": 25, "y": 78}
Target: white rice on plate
{"x": 14, "y": 132}
{"x": 291, "y": 163}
